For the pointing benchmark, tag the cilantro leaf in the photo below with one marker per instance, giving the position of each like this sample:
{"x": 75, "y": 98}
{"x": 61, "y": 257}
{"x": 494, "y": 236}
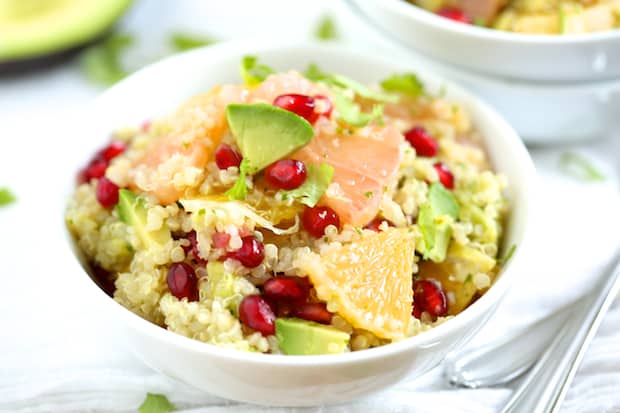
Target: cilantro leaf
{"x": 579, "y": 167}
{"x": 182, "y": 41}
{"x": 102, "y": 63}
{"x": 405, "y": 83}
{"x": 351, "y": 113}
{"x": 252, "y": 72}
{"x": 156, "y": 403}
{"x": 314, "y": 187}
{"x": 240, "y": 189}
{"x": 314, "y": 73}
{"x": 6, "y": 197}
{"x": 326, "y": 29}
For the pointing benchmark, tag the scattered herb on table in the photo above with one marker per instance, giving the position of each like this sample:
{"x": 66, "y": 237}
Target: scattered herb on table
{"x": 156, "y": 403}
{"x": 102, "y": 63}
{"x": 326, "y": 29}
{"x": 181, "y": 41}
{"x": 579, "y": 167}
{"x": 6, "y": 197}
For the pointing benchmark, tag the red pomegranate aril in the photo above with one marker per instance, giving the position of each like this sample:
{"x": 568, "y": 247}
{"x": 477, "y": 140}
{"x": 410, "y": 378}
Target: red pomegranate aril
{"x": 317, "y": 218}
{"x": 423, "y": 143}
{"x": 323, "y": 106}
{"x": 107, "y": 193}
{"x": 445, "y": 176}
{"x": 376, "y": 223}
{"x": 193, "y": 247}
{"x": 114, "y": 149}
{"x": 257, "y": 314}
{"x": 454, "y": 14}
{"x": 226, "y": 156}
{"x": 251, "y": 253}
{"x": 301, "y": 105}
{"x": 96, "y": 169}
{"x": 429, "y": 297}
{"x": 182, "y": 281}
{"x": 286, "y": 174}
{"x": 313, "y": 312}
{"x": 221, "y": 239}
{"x": 286, "y": 288}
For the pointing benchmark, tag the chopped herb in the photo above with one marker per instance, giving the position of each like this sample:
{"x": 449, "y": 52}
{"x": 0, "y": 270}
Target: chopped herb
{"x": 314, "y": 187}
{"x": 358, "y": 230}
{"x": 326, "y": 29}
{"x": 480, "y": 22}
{"x": 351, "y": 113}
{"x": 369, "y": 194}
{"x": 6, "y": 197}
{"x": 202, "y": 211}
{"x": 405, "y": 83}
{"x": 468, "y": 279}
{"x": 253, "y": 72}
{"x": 156, "y": 403}
{"x": 181, "y": 41}
{"x": 314, "y": 73}
{"x": 240, "y": 189}
{"x": 102, "y": 63}
{"x": 504, "y": 260}
{"x": 579, "y": 167}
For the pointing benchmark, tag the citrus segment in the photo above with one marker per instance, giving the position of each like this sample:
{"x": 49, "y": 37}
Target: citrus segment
{"x": 369, "y": 282}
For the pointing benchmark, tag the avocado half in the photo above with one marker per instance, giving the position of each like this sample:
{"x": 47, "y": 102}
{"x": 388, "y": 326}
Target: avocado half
{"x": 40, "y": 30}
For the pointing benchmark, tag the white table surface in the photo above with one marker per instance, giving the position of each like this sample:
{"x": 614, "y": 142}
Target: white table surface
{"x": 48, "y": 329}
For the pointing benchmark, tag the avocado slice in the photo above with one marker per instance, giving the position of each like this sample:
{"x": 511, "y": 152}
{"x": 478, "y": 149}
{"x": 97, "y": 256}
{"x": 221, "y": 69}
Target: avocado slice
{"x": 305, "y": 338}
{"x": 31, "y": 28}
{"x": 434, "y": 224}
{"x": 132, "y": 211}
{"x": 266, "y": 133}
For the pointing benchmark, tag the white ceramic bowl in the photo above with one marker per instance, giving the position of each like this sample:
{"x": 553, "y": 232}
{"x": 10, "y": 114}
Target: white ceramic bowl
{"x": 585, "y": 57}
{"x": 293, "y": 380}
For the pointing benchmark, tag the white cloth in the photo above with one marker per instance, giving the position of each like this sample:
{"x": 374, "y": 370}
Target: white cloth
{"x": 58, "y": 354}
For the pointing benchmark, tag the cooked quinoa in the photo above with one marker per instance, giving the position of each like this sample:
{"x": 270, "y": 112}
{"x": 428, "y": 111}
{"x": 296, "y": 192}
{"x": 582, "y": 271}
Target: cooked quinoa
{"x": 200, "y": 246}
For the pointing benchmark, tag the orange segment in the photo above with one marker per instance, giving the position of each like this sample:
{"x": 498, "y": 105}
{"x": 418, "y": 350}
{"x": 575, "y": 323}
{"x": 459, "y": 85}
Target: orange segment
{"x": 369, "y": 282}
{"x": 364, "y": 163}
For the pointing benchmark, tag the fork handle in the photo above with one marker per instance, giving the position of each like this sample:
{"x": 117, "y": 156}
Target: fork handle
{"x": 543, "y": 390}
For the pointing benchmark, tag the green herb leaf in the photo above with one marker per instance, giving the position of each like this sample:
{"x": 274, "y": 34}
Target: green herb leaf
{"x": 369, "y": 194}
{"x": 314, "y": 187}
{"x": 326, "y": 29}
{"x": 186, "y": 41}
{"x": 102, "y": 63}
{"x": 351, "y": 113}
{"x": 405, "y": 83}
{"x": 240, "y": 189}
{"x": 314, "y": 73}
{"x": 579, "y": 167}
{"x": 253, "y": 72}
{"x": 6, "y": 197}
{"x": 504, "y": 260}
{"x": 156, "y": 403}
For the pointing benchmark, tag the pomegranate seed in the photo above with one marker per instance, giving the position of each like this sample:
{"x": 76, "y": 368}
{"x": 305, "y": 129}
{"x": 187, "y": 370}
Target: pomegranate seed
{"x": 454, "y": 14}
{"x": 376, "y": 223}
{"x": 107, "y": 193}
{"x": 255, "y": 312}
{"x": 95, "y": 169}
{"x": 226, "y": 156}
{"x": 429, "y": 297}
{"x": 445, "y": 176}
{"x": 111, "y": 151}
{"x": 317, "y": 218}
{"x": 301, "y": 105}
{"x": 313, "y": 312}
{"x": 182, "y": 281}
{"x": 323, "y": 106}
{"x": 221, "y": 239}
{"x": 422, "y": 142}
{"x": 193, "y": 247}
{"x": 286, "y": 288}
{"x": 251, "y": 253}
{"x": 286, "y": 174}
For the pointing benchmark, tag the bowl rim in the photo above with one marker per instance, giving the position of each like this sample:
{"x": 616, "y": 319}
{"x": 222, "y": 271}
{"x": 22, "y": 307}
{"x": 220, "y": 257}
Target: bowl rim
{"x": 231, "y": 49}
{"x": 485, "y": 33}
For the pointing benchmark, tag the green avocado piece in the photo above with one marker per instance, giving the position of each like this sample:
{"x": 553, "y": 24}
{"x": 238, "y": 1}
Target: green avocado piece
{"x": 132, "y": 211}
{"x": 30, "y": 28}
{"x": 434, "y": 224}
{"x": 266, "y": 133}
{"x": 306, "y": 338}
